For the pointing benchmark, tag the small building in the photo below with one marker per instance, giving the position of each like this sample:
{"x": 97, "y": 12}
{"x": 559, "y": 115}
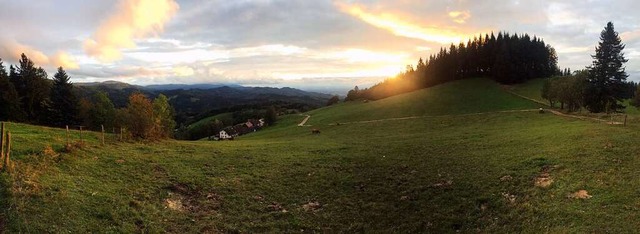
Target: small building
{"x": 242, "y": 129}
{"x": 228, "y": 133}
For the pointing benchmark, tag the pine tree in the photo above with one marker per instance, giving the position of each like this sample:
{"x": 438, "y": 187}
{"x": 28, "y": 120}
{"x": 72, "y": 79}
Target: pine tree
{"x": 33, "y": 87}
{"x": 64, "y": 103}
{"x": 9, "y": 100}
{"x": 607, "y": 74}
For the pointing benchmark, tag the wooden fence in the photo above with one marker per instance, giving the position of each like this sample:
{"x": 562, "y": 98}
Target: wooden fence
{"x": 5, "y": 149}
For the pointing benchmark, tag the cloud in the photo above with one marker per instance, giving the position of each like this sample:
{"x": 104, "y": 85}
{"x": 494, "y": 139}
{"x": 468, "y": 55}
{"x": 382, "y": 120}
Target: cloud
{"x": 134, "y": 19}
{"x": 12, "y": 50}
{"x": 400, "y": 27}
{"x": 460, "y": 17}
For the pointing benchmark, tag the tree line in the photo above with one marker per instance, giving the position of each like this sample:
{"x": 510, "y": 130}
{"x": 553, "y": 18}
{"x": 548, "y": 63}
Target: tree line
{"x": 506, "y": 58}
{"x": 28, "y": 95}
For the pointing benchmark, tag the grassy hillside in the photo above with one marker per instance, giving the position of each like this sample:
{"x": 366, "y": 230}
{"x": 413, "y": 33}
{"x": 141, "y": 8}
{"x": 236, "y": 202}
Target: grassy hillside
{"x": 458, "y": 97}
{"x": 443, "y": 173}
{"x": 226, "y": 118}
{"x": 531, "y": 89}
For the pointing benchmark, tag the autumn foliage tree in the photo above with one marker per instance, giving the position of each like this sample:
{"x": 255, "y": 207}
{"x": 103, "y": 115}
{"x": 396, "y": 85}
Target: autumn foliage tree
{"x": 147, "y": 120}
{"x": 140, "y": 120}
{"x": 163, "y": 114}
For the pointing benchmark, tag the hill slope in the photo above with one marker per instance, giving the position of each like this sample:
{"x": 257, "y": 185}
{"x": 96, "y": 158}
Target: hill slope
{"x": 458, "y": 97}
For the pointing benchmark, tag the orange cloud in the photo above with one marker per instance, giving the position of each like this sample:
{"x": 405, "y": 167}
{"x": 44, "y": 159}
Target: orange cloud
{"x": 460, "y": 16}
{"x": 134, "y": 19}
{"x": 12, "y": 50}
{"x": 400, "y": 27}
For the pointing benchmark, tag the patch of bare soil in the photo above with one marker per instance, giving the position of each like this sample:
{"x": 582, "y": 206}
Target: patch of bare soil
{"x": 442, "y": 184}
{"x": 182, "y": 198}
{"x": 581, "y": 194}
{"x": 312, "y": 206}
{"x": 544, "y": 180}
{"x": 276, "y": 207}
{"x": 506, "y": 178}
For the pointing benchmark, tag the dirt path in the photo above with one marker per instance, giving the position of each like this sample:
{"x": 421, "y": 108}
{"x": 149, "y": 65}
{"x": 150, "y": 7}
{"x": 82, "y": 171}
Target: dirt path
{"x": 433, "y": 116}
{"x": 558, "y": 113}
{"x": 304, "y": 121}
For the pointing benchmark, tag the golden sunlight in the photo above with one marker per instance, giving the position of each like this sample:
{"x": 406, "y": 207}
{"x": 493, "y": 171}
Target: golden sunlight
{"x": 402, "y": 28}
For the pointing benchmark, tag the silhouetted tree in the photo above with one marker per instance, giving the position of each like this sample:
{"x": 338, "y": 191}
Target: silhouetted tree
{"x": 607, "y": 74}
{"x": 271, "y": 116}
{"x": 333, "y": 100}
{"x": 33, "y": 87}
{"x": 9, "y": 100}
{"x": 64, "y": 104}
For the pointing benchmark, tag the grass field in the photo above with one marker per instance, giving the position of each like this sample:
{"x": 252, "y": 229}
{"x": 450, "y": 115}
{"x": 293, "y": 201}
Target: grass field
{"x": 443, "y": 172}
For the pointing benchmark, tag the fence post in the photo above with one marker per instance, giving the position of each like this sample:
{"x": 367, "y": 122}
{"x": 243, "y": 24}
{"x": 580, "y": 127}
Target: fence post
{"x": 121, "y": 133}
{"x": 102, "y": 126}
{"x": 7, "y": 156}
{"x": 2, "y": 139}
{"x": 67, "y": 127}
{"x": 625, "y": 120}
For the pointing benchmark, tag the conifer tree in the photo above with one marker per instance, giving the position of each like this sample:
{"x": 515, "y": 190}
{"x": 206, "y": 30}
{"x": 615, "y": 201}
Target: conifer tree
{"x": 607, "y": 74}
{"x": 33, "y": 87}
{"x": 9, "y": 100}
{"x": 64, "y": 104}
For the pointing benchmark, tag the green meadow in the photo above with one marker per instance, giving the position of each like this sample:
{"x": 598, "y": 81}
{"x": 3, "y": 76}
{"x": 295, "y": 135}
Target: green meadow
{"x": 465, "y": 160}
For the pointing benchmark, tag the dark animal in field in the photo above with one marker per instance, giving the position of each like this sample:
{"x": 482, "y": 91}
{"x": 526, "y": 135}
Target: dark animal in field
{"x": 315, "y": 131}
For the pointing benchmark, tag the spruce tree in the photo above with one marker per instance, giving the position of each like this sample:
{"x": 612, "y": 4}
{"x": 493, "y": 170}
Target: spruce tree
{"x": 64, "y": 104}
{"x": 607, "y": 74}
{"x": 9, "y": 100}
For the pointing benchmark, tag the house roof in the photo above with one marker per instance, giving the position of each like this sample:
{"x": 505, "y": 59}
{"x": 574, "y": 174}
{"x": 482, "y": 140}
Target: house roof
{"x": 230, "y": 130}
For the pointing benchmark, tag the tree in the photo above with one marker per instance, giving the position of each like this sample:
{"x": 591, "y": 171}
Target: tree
{"x": 271, "y": 116}
{"x": 607, "y": 74}
{"x": 333, "y": 100}
{"x": 163, "y": 115}
{"x": 138, "y": 117}
{"x": 9, "y": 100}
{"x": 353, "y": 94}
{"x": 64, "y": 104}
{"x": 547, "y": 92}
{"x": 33, "y": 87}
{"x": 102, "y": 112}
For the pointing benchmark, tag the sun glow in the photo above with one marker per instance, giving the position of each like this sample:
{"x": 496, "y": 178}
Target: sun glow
{"x": 400, "y": 27}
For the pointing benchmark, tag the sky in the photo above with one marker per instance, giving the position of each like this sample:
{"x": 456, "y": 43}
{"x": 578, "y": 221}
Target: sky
{"x": 309, "y": 44}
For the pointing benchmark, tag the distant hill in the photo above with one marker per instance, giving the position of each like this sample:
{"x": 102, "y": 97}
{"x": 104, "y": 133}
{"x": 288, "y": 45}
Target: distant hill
{"x": 161, "y": 87}
{"x": 193, "y": 102}
{"x": 110, "y": 84}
